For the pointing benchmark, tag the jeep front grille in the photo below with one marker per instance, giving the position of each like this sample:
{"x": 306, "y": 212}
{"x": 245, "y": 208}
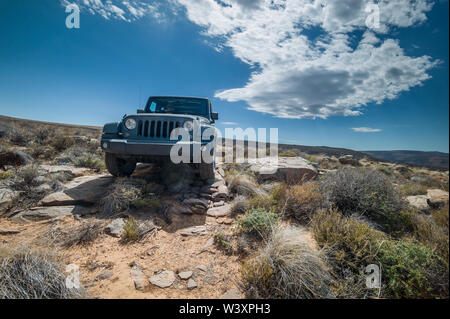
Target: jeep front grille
{"x": 156, "y": 128}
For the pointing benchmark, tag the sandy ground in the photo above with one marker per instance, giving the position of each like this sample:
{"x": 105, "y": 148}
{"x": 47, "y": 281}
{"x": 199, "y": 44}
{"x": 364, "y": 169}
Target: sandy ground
{"x": 166, "y": 249}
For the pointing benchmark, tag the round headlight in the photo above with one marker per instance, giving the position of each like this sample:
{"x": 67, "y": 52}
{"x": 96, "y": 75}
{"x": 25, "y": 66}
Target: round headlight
{"x": 188, "y": 126}
{"x": 130, "y": 124}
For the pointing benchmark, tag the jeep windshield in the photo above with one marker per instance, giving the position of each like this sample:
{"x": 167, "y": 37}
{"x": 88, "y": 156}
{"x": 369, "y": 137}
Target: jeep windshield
{"x": 176, "y": 105}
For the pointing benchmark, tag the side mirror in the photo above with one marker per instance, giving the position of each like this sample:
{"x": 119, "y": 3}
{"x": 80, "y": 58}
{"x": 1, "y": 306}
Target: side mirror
{"x": 215, "y": 116}
{"x": 140, "y": 111}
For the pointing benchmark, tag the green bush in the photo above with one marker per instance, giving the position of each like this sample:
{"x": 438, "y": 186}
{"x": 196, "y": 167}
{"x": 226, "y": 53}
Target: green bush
{"x": 257, "y": 222}
{"x": 287, "y": 153}
{"x": 90, "y": 161}
{"x": 411, "y": 270}
{"x": 364, "y": 192}
{"x": 61, "y": 143}
{"x": 131, "y": 232}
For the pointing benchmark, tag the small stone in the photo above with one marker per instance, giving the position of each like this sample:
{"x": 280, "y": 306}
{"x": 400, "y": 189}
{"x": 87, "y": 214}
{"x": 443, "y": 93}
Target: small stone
{"x": 185, "y": 275}
{"x": 203, "y": 268}
{"x": 105, "y": 274}
{"x": 115, "y": 228}
{"x": 137, "y": 276}
{"x": 219, "y": 211}
{"x": 218, "y": 204}
{"x": 191, "y": 284}
{"x": 164, "y": 279}
{"x": 232, "y": 294}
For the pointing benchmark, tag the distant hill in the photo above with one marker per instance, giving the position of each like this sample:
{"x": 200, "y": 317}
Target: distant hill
{"x": 426, "y": 159}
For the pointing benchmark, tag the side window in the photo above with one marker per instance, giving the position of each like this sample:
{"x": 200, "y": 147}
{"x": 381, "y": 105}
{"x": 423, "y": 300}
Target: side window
{"x": 153, "y": 107}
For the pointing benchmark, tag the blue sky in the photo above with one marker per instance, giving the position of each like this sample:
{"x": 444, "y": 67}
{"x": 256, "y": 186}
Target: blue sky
{"x": 326, "y": 76}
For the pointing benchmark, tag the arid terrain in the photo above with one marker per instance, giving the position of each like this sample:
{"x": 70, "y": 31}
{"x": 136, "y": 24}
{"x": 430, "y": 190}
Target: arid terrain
{"x": 306, "y": 231}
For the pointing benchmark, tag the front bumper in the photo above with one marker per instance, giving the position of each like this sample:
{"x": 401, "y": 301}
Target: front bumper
{"x": 130, "y": 147}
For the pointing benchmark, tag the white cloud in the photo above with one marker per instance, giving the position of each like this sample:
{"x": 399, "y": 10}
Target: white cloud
{"x": 304, "y": 53}
{"x": 366, "y": 130}
{"x": 308, "y": 61}
{"x": 229, "y": 123}
{"x": 129, "y": 10}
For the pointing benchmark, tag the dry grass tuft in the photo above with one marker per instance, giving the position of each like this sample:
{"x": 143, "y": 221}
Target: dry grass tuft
{"x": 28, "y": 274}
{"x": 286, "y": 268}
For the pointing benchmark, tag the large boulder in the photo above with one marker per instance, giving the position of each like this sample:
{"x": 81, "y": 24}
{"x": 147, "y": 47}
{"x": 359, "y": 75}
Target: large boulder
{"x": 437, "y": 198}
{"x": 68, "y": 169}
{"x": 420, "y": 202}
{"x": 348, "y": 160}
{"x": 85, "y": 190}
{"x": 293, "y": 170}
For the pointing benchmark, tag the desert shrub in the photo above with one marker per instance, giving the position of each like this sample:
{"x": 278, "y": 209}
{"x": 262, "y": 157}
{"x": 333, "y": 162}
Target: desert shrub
{"x": 286, "y": 267}
{"x": 389, "y": 171}
{"x": 411, "y": 270}
{"x": 273, "y": 201}
{"x": 19, "y": 138}
{"x": 27, "y": 274}
{"x": 131, "y": 232}
{"x": 243, "y": 185}
{"x": 82, "y": 235}
{"x": 287, "y": 153}
{"x": 302, "y": 201}
{"x": 257, "y": 222}
{"x": 26, "y": 177}
{"x": 412, "y": 189}
{"x": 433, "y": 231}
{"x": 6, "y": 174}
{"x": 363, "y": 192}
{"x": 42, "y": 135}
{"x": 90, "y": 161}
{"x": 223, "y": 243}
{"x": 239, "y": 206}
{"x": 350, "y": 243}
{"x": 61, "y": 143}
{"x": 128, "y": 193}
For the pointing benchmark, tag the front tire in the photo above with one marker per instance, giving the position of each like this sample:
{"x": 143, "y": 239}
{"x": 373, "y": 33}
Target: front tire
{"x": 119, "y": 167}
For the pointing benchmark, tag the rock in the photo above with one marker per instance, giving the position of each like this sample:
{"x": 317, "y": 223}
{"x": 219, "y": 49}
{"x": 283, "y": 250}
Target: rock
{"x": 218, "y": 184}
{"x": 6, "y": 196}
{"x": 105, "y": 274}
{"x": 232, "y": 294}
{"x": 72, "y": 170}
{"x": 44, "y": 188}
{"x": 419, "y": 201}
{"x": 194, "y": 231}
{"x": 209, "y": 243}
{"x": 85, "y": 190}
{"x": 219, "y": 204}
{"x": 221, "y": 172}
{"x": 180, "y": 209}
{"x": 402, "y": 169}
{"x": 185, "y": 275}
{"x": 191, "y": 284}
{"x": 289, "y": 169}
{"x": 221, "y": 211}
{"x": 4, "y": 231}
{"x": 437, "y": 198}
{"x": 203, "y": 268}
{"x": 137, "y": 276}
{"x": 195, "y": 201}
{"x": 348, "y": 160}
{"x": 176, "y": 187}
{"x": 164, "y": 279}
{"x": 43, "y": 213}
{"x": 115, "y": 228}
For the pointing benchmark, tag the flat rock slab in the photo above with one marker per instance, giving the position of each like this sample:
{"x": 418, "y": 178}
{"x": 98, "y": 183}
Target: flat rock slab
{"x": 43, "y": 213}
{"x": 194, "y": 231}
{"x": 164, "y": 279}
{"x": 72, "y": 170}
{"x": 288, "y": 169}
{"x": 220, "y": 211}
{"x": 85, "y": 190}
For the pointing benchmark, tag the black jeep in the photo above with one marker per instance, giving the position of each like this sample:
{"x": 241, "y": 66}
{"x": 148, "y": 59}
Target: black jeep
{"x": 146, "y": 136}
